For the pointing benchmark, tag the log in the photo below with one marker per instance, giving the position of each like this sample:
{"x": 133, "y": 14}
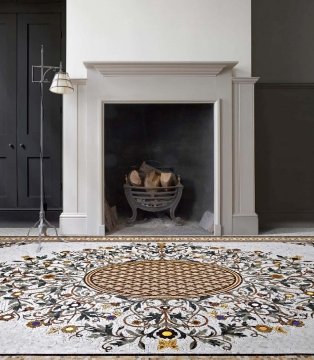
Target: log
{"x": 114, "y": 215}
{"x": 146, "y": 169}
{"x": 167, "y": 179}
{"x": 134, "y": 178}
{"x": 152, "y": 180}
{"x": 111, "y": 218}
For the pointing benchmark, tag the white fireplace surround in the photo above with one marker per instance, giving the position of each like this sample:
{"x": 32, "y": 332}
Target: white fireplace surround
{"x": 159, "y": 82}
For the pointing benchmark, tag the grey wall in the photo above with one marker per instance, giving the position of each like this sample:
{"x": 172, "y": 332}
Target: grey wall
{"x": 283, "y": 40}
{"x": 176, "y": 135}
{"x": 283, "y": 57}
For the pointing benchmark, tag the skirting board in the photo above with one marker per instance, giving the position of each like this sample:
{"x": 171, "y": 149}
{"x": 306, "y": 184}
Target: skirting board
{"x": 73, "y": 224}
{"x": 286, "y": 219}
{"x": 245, "y": 225}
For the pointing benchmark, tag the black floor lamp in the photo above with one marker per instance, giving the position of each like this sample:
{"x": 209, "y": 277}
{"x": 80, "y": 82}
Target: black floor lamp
{"x": 61, "y": 84}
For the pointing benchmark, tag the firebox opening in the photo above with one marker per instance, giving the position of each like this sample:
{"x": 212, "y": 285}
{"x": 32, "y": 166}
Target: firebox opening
{"x": 177, "y": 136}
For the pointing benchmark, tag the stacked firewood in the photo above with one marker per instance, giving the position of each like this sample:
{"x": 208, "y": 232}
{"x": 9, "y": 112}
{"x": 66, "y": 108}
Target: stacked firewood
{"x": 111, "y": 217}
{"x": 150, "y": 177}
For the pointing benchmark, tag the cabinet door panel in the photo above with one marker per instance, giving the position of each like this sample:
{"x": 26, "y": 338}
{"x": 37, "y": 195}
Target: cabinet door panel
{"x": 34, "y": 30}
{"x": 8, "y": 196}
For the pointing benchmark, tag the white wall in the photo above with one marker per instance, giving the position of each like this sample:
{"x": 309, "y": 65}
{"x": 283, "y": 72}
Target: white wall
{"x": 158, "y": 30}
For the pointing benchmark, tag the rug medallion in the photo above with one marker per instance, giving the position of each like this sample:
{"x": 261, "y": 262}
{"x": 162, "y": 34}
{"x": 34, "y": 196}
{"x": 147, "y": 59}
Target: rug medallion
{"x": 163, "y": 279}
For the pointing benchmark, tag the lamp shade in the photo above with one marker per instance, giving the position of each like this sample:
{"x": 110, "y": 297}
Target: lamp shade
{"x": 61, "y": 83}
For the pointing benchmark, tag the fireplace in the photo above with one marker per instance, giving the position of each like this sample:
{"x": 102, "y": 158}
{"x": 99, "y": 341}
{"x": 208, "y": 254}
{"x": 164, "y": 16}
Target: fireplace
{"x": 160, "y": 95}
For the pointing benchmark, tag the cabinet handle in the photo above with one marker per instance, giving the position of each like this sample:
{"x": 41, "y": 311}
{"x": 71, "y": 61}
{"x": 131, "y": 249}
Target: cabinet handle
{"x": 11, "y": 146}
{"x": 22, "y": 146}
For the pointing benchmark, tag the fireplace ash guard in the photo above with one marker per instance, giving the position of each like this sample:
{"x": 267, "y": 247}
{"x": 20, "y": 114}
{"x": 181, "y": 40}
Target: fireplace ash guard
{"x": 154, "y": 199}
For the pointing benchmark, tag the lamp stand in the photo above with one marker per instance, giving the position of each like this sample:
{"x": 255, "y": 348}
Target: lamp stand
{"x": 42, "y": 224}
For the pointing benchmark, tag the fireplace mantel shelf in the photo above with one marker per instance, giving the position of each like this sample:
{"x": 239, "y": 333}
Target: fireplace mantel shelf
{"x": 160, "y": 68}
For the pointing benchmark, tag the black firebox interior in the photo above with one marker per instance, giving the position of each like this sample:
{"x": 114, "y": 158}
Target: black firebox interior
{"x": 177, "y": 136}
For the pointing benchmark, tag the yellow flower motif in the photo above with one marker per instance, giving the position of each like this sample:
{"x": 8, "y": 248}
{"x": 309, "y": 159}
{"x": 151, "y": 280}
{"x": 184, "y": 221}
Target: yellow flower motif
{"x": 289, "y": 296}
{"x": 224, "y": 306}
{"x": 171, "y": 344}
{"x": 310, "y": 293}
{"x": 17, "y": 293}
{"x": 263, "y": 328}
{"x": 280, "y": 330}
{"x": 167, "y": 333}
{"x": 69, "y": 329}
{"x": 117, "y": 313}
{"x": 213, "y": 313}
{"x": 40, "y": 296}
{"x": 106, "y": 306}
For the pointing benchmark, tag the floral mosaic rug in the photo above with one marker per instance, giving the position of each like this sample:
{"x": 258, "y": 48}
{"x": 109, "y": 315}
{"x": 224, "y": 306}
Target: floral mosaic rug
{"x": 157, "y": 298}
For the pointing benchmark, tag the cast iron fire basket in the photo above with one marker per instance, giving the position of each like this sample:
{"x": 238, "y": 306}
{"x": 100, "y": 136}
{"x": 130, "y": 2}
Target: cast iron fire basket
{"x": 153, "y": 199}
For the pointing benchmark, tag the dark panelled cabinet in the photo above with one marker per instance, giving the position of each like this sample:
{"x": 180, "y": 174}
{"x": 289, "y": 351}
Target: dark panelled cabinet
{"x": 21, "y": 35}
{"x": 34, "y": 30}
{"x": 8, "y": 169}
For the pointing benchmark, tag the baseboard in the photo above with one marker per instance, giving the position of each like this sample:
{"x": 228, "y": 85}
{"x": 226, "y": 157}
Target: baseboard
{"x": 73, "y": 224}
{"x": 217, "y": 230}
{"x": 26, "y": 217}
{"x": 286, "y": 219}
{"x": 245, "y": 224}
